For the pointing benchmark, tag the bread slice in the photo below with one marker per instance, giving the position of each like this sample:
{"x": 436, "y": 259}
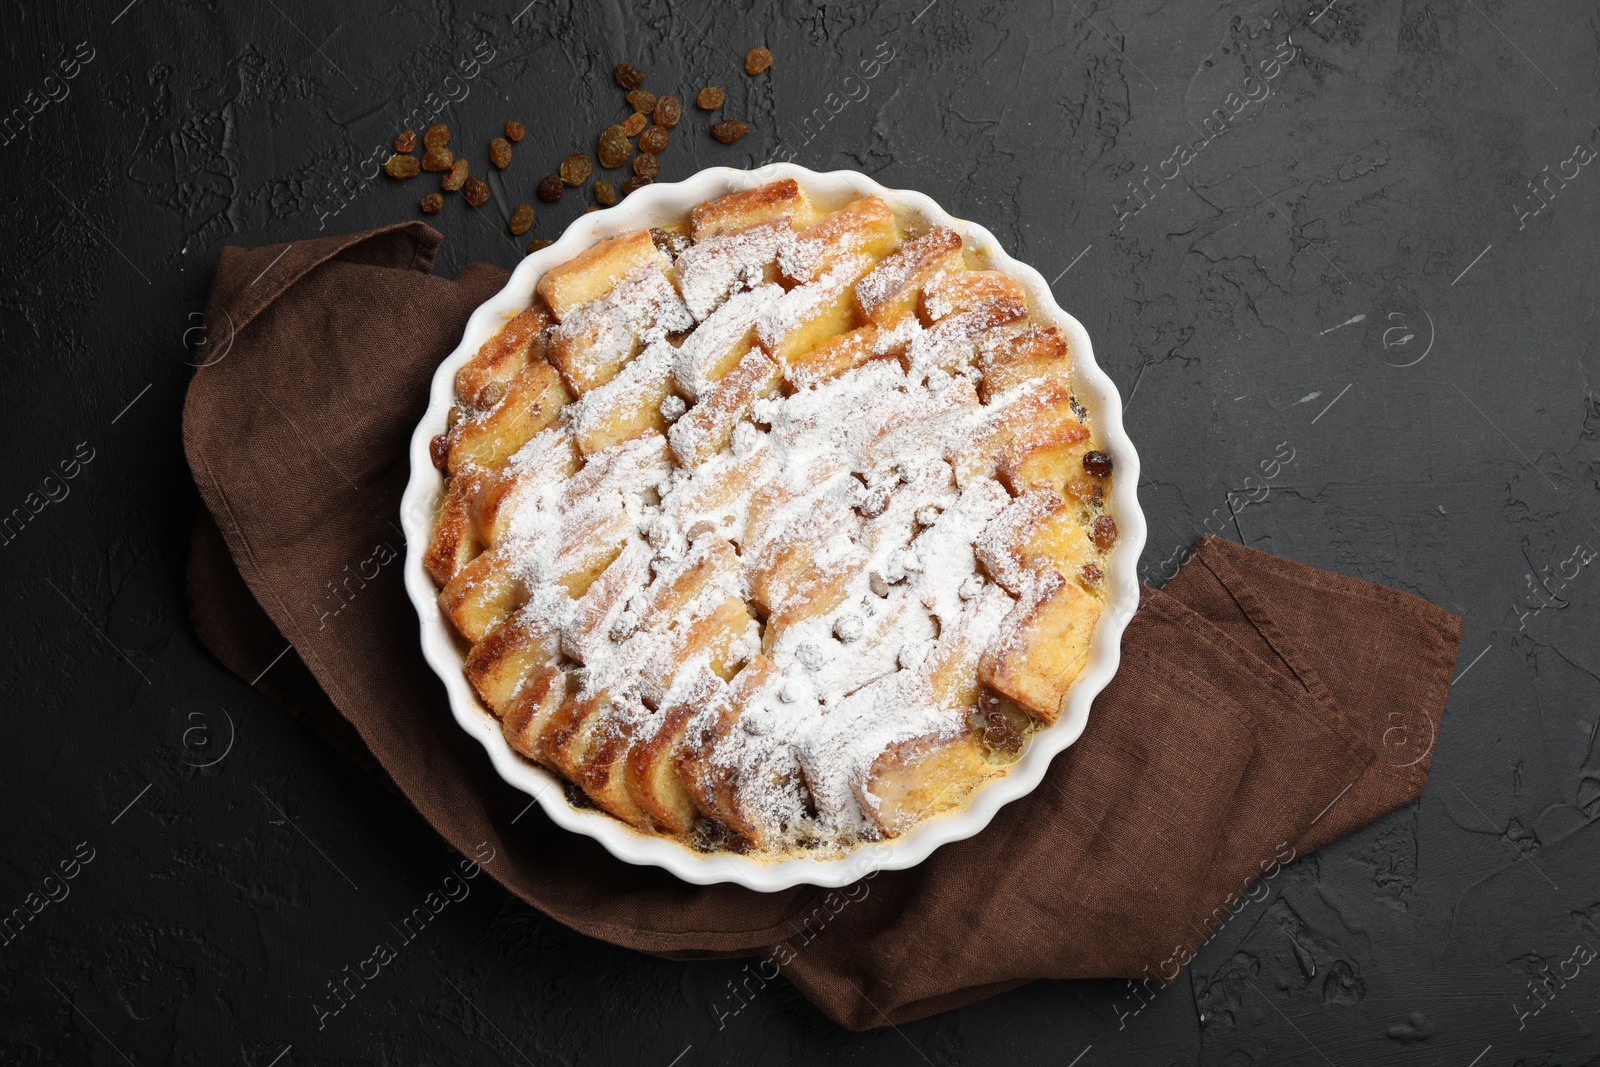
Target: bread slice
{"x": 532, "y": 401}
{"x": 1043, "y": 645}
{"x": 783, "y": 199}
{"x": 894, "y": 286}
{"x": 593, "y": 273}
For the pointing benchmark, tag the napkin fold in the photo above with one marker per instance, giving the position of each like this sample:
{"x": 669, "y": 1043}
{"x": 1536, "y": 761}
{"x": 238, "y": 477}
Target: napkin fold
{"x": 1263, "y": 708}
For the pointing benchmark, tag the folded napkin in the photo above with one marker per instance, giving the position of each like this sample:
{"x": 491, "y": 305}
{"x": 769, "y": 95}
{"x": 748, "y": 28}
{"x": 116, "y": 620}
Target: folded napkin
{"x": 1263, "y": 708}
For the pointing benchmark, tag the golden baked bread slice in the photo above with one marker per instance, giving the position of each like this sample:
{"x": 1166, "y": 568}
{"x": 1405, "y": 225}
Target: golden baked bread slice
{"x": 456, "y": 539}
{"x": 594, "y": 273}
{"x": 833, "y": 357}
{"x": 862, "y": 228}
{"x": 1015, "y": 357}
{"x": 509, "y": 654}
{"x": 499, "y": 359}
{"x": 627, "y": 406}
{"x": 894, "y": 287}
{"x": 708, "y": 427}
{"x": 539, "y": 467}
{"x": 532, "y": 401}
{"x": 921, "y": 777}
{"x": 1043, "y": 645}
{"x": 652, "y": 761}
{"x": 739, "y": 211}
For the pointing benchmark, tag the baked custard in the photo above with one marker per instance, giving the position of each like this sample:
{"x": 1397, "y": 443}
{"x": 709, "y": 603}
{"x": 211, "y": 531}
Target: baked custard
{"x": 775, "y": 529}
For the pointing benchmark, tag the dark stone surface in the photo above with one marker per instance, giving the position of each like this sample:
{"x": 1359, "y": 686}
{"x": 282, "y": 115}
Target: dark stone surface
{"x": 1343, "y": 273}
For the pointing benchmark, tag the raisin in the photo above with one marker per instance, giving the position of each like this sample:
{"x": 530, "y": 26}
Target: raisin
{"x": 646, "y": 165}
{"x": 709, "y": 98}
{"x": 757, "y": 60}
{"x": 628, "y": 76}
{"x": 438, "y": 136}
{"x": 476, "y": 192}
{"x": 575, "y": 169}
{"x": 1091, "y": 574}
{"x": 730, "y": 131}
{"x": 431, "y": 204}
{"x": 634, "y": 123}
{"x": 492, "y": 394}
{"x": 437, "y": 159}
{"x": 538, "y": 243}
{"x": 633, "y": 183}
{"x": 439, "y": 447}
{"x": 669, "y": 110}
{"x": 514, "y": 131}
{"x": 654, "y": 139}
{"x": 500, "y": 152}
{"x": 1091, "y": 491}
{"x": 455, "y": 177}
{"x": 521, "y": 220}
{"x": 614, "y": 148}
{"x": 605, "y": 194}
{"x": 405, "y": 141}
{"x": 1103, "y": 532}
{"x": 642, "y": 100}
{"x": 400, "y": 166}
{"x": 550, "y": 187}
{"x": 669, "y": 242}
{"x": 1097, "y": 463}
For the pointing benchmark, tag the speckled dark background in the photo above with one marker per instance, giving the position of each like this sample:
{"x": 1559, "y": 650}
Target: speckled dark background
{"x": 1346, "y": 276}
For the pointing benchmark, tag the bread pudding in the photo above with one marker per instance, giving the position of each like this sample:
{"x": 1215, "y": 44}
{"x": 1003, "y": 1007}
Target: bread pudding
{"x": 774, "y": 529}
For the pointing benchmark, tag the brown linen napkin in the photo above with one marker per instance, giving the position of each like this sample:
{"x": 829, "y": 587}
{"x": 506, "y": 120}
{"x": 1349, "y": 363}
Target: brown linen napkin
{"x": 1263, "y": 708}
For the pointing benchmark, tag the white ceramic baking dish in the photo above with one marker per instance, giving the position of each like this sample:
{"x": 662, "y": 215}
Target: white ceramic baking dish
{"x": 652, "y": 205}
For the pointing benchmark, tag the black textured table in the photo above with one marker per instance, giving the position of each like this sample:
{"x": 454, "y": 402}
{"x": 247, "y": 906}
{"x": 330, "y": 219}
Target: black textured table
{"x": 1340, "y": 260}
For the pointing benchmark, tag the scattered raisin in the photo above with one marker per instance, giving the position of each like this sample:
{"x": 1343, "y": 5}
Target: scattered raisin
{"x": 654, "y": 139}
{"x": 730, "y": 131}
{"x": 455, "y": 177}
{"x": 757, "y": 60}
{"x": 634, "y": 123}
{"x": 1097, "y": 463}
{"x": 605, "y": 193}
{"x": 710, "y": 98}
{"x": 437, "y": 159}
{"x": 439, "y": 447}
{"x": 438, "y": 136}
{"x": 575, "y": 170}
{"x": 513, "y": 131}
{"x": 669, "y": 109}
{"x": 1091, "y": 491}
{"x": 669, "y": 242}
{"x": 642, "y": 101}
{"x": 646, "y": 165}
{"x": 633, "y": 183}
{"x": 1103, "y": 532}
{"x": 999, "y": 732}
{"x": 628, "y": 76}
{"x": 1091, "y": 574}
{"x": 500, "y": 152}
{"x": 400, "y": 166}
{"x": 492, "y": 394}
{"x": 538, "y": 243}
{"x": 405, "y": 141}
{"x": 476, "y": 192}
{"x": 521, "y": 220}
{"x": 614, "y": 148}
{"x": 431, "y": 204}
{"x": 550, "y": 187}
